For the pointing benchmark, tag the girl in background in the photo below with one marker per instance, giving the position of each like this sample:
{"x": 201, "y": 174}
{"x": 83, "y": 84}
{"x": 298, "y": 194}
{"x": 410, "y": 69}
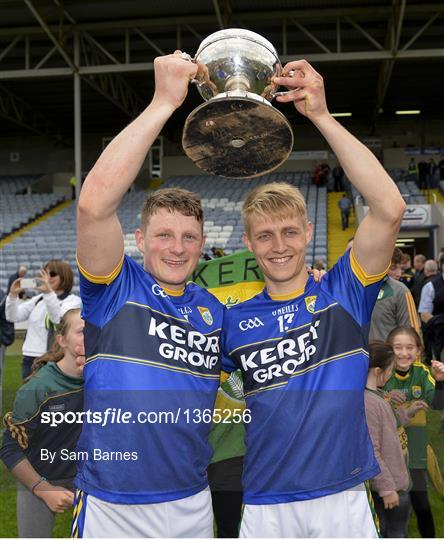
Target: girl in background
{"x": 390, "y": 487}
{"x": 33, "y": 450}
{"x": 413, "y": 384}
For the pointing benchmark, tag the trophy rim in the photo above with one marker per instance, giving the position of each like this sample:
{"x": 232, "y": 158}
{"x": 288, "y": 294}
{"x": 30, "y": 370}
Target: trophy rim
{"x": 249, "y": 37}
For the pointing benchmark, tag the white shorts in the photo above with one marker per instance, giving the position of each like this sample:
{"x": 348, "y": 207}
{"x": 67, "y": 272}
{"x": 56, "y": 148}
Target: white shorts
{"x": 183, "y": 518}
{"x": 347, "y": 514}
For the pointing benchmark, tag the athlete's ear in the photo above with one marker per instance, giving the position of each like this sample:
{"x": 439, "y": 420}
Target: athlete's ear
{"x": 139, "y": 240}
{"x": 308, "y": 232}
{"x": 246, "y": 241}
{"x": 204, "y": 241}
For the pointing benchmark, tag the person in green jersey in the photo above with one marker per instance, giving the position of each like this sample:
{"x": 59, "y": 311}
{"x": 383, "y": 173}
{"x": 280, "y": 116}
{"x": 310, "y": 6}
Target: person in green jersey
{"x": 412, "y": 382}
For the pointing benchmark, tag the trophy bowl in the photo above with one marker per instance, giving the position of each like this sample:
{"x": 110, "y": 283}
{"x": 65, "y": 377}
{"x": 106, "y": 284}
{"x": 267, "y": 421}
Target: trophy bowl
{"x": 237, "y": 133}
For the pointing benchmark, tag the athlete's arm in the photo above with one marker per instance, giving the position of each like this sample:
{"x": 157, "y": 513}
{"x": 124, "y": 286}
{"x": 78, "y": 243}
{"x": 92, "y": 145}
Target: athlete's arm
{"x": 99, "y": 233}
{"x": 375, "y": 238}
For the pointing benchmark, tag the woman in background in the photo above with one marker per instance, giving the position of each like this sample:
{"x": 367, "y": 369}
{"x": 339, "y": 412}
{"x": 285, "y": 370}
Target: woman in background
{"x": 42, "y": 311}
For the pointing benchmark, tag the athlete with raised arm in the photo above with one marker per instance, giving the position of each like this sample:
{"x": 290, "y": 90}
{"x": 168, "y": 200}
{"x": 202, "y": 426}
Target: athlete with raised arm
{"x": 302, "y": 346}
{"x": 151, "y": 341}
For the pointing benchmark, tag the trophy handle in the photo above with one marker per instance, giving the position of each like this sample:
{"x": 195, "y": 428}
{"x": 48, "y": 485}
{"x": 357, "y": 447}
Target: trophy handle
{"x": 284, "y": 93}
{"x": 202, "y": 78}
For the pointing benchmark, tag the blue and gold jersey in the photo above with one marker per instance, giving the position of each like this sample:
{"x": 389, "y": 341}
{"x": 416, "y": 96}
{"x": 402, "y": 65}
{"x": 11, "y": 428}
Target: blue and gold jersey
{"x": 153, "y": 356}
{"x": 304, "y": 361}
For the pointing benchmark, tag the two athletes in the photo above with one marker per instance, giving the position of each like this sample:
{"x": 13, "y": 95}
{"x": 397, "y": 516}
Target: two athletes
{"x": 153, "y": 342}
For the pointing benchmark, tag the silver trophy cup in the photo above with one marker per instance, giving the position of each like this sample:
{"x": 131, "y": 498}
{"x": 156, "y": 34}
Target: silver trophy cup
{"x": 237, "y": 133}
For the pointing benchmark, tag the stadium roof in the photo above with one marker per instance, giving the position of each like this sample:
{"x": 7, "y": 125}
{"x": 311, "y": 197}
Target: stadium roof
{"x": 376, "y": 56}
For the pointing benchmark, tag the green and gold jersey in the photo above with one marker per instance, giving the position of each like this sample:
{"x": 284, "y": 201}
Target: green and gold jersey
{"x": 417, "y": 384}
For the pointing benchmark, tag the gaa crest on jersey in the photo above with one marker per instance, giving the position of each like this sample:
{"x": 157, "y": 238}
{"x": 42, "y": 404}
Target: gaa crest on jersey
{"x": 206, "y": 315}
{"x": 416, "y": 392}
{"x": 310, "y": 302}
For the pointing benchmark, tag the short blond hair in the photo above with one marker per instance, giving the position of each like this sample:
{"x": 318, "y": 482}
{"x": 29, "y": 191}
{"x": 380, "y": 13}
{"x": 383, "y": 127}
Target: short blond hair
{"x": 276, "y": 199}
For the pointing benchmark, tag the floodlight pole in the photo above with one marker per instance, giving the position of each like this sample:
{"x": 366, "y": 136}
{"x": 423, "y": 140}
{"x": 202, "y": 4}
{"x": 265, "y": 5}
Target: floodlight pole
{"x": 77, "y": 118}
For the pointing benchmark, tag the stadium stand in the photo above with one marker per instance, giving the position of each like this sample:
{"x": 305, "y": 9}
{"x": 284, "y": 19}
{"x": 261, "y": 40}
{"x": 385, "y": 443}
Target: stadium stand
{"x": 19, "y": 210}
{"x": 18, "y": 206}
{"x": 408, "y": 189}
{"x": 222, "y": 199}
{"x": 17, "y": 184}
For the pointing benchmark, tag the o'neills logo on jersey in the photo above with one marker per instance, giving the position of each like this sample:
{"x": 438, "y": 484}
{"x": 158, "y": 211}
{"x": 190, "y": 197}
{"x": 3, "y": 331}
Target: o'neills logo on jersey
{"x": 283, "y": 359}
{"x": 188, "y": 346}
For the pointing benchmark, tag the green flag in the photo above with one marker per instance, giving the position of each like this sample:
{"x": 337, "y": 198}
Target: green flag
{"x": 232, "y": 279}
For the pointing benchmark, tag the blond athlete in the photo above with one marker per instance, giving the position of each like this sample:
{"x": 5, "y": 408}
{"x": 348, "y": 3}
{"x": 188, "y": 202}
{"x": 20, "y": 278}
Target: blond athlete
{"x": 302, "y": 346}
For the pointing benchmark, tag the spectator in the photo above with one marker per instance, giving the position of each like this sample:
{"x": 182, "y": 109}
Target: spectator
{"x": 45, "y": 486}
{"x": 21, "y": 272}
{"x": 441, "y": 168}
{"x": 319, "y": 264}
{"x": 430, "y": 271}
{"x": 412, "y": 171}
{"x": 41, "y": 311}
{"x": 338, "y": 177}
{"x": 73, "y": 184}
{"x": 431, "y": 170}
{"x": 390, "y": 487}
{"x": 6, "y": 339}
{"x": 217, "y": 252}
{"x": 395, "y": 270}
{"x": 423, "y": 171}
{"x": 321, "y": 174}
{"x": 431, "y": 310}
{"x": 394, "y": 306}
{"x": 407, "y": 271}
{"x": 345, "y": 206}
{"x": 417, "y": 387}
{"x": 418, "y": 265}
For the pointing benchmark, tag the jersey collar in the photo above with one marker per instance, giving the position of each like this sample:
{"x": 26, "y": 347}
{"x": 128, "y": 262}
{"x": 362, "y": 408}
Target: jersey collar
{"x": 291, "y": 295}
{"x": 400, "y": 377}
